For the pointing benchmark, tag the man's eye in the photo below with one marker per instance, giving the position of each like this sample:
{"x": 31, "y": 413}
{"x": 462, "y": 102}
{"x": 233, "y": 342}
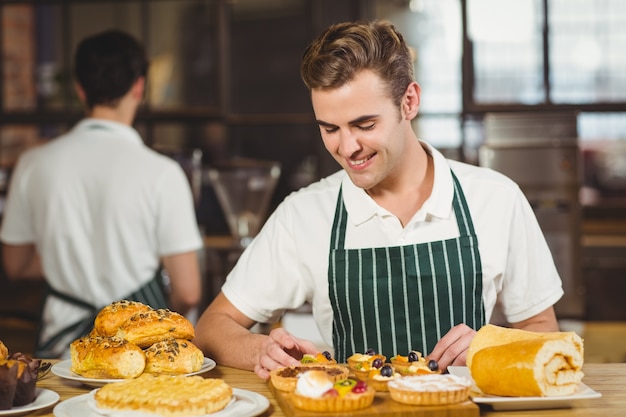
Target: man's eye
{"x": 330, "y": 129}
{"x": 367, "y": 127}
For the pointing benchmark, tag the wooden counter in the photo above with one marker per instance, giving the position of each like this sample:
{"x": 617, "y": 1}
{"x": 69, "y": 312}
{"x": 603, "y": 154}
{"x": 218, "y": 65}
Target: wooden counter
{"x": 607, "y": 379}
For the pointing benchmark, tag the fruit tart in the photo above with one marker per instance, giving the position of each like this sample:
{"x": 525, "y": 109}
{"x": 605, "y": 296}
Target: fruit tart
{"x": 415, "y": 364}
{"x": 378, "y": 378}
{"x": 315, "y": 391}
{"x": 321, "y": 357}
{"x": 286, "y": 378}
{"x": 362, "y": 363}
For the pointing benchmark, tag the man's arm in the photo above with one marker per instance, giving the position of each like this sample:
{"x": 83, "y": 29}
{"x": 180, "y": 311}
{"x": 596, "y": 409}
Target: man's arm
{"x": 185, "y": 281}
{"x": 223, "y": 334}
{"x": 543, "y": 322}
{"x": 21, "y": 261}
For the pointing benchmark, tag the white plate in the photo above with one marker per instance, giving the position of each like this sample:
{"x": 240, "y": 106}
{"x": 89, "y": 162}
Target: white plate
{"x": 244, "y": 404}
{"x": 524, "y": 403}
{"x": 43, "y": 398}
{"x": 63, "y": 369}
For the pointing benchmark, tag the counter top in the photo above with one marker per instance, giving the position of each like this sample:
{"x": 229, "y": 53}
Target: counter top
{"x": 607, "y": 379}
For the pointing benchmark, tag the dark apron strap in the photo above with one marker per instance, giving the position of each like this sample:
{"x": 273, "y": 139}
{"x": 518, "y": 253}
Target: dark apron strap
{"x": 152, "y": 294}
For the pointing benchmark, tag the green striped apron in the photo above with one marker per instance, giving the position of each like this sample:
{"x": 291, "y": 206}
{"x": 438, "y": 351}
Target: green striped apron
{"x": 403, "y": 298}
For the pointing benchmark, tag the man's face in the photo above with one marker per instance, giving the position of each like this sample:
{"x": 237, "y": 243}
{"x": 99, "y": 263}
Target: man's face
{"x": 362, "y": 129}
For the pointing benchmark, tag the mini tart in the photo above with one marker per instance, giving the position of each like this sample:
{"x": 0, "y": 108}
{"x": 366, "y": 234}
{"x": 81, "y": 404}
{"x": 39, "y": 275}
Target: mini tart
{"x": 418, "y": 367}
{"x": 347, "y": 402}
{"x": 380, "y": 383}
{"x": 286, "y": 378}
{"x": 316, "y": 358}
{"x": 358, "y": 360}
{"x": 436, "y": 389}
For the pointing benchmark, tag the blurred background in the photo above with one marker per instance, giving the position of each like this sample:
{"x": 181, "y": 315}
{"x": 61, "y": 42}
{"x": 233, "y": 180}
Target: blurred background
{"x": 533, "y": 88}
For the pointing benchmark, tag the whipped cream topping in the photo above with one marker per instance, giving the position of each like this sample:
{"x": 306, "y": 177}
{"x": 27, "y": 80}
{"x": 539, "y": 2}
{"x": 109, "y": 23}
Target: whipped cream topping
{"x": 430, "y": 383}
{"x": 310, "y": 384}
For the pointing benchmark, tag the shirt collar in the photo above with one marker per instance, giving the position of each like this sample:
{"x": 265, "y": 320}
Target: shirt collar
{"x": 118, "y": 129}
{"x": 361, "y": 207}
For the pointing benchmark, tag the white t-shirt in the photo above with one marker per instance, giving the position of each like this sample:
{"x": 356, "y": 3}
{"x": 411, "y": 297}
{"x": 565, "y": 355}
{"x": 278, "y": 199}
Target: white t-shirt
{"x": 101, "y": 208}
{"x": 287, "y": 263}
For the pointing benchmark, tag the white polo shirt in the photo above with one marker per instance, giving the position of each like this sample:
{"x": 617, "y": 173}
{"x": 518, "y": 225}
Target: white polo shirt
{"x": 287, "y": 263}
{"x": 101, "y": 208}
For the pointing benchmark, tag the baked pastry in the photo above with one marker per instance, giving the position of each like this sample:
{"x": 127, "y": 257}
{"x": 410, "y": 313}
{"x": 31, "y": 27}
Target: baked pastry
{"x": 414, "y": 364}
{"x": 320, "y": 357}
{"x": 8, "y": 383}
{"x": 286, "y": 378}
{"x": 146, "y": 328}
{"x": 106, "y": 357}
{"x": 435, "y": 389}
{"x": 4, "y": 351}
{"x": 361, "y": 364}
{"x": 27, "y": 370}
{"x": 361, "y": 360}
{"x": 173, "y": 356}
{"x": 492, "y": 335}
{"x": 539, "y": 364}
{"x": 112, "y": 316}
{"x": 316, "y": 391}
{"x": 166, "y": 395}
{"x": 378, "y": 378}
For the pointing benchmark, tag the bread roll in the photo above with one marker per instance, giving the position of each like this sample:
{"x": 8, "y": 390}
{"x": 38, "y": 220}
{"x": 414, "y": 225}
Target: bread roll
{"x": 491, "y": 335}
{"x": 173, "y": 356}
{"x": 106, "y": 357}
{"x": 516, "y": 363}
{"x": 111, "y": 317}
{"x": 533, "y": 367}
{"x": 147, "y": 328}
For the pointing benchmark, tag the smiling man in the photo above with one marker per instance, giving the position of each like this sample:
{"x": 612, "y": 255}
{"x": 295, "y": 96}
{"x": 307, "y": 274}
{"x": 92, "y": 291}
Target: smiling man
{"x": 401, "y": 249}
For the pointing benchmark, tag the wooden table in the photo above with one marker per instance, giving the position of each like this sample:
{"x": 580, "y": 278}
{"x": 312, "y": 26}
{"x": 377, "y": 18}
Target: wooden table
{"x": 608, "y": 379}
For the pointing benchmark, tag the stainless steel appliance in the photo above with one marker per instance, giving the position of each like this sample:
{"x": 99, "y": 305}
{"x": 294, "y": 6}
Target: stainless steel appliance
{"x": 540, "y": 152}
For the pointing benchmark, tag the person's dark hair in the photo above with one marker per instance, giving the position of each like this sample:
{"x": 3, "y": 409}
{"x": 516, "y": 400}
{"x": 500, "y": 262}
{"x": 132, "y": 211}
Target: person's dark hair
{"x": 106, "y": 66}
{"x": 344, "y": 49}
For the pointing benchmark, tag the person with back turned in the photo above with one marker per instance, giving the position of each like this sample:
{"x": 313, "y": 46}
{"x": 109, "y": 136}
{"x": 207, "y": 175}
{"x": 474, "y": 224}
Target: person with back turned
{"x": 96, "y": 212}
{"x": 400, "y": 250}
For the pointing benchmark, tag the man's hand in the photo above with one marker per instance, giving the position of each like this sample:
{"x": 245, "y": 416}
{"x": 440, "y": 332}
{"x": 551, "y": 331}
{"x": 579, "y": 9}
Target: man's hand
{"x": 452, "y": 348}
{"x": 279, "y": 349}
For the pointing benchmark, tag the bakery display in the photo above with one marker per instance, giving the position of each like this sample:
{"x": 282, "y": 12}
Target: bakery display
{"x": 173, "y": 356}
{"x": 316, "y": 391}
{"x": 111, "y": 317}
{"x": 166, "y": 395}
{"x": 414, "y": 364}
{"x": 518, "y": 363}
{"x": 286, "y": 378}
{"x": 106, "y": 357}
{"x": 434, "y": 389}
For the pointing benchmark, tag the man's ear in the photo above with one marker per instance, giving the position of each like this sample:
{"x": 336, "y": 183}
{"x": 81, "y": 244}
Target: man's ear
{"x": 138, "y": 88}
{"x": 80, "y": 93}
{"x": 411, "y": 101}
